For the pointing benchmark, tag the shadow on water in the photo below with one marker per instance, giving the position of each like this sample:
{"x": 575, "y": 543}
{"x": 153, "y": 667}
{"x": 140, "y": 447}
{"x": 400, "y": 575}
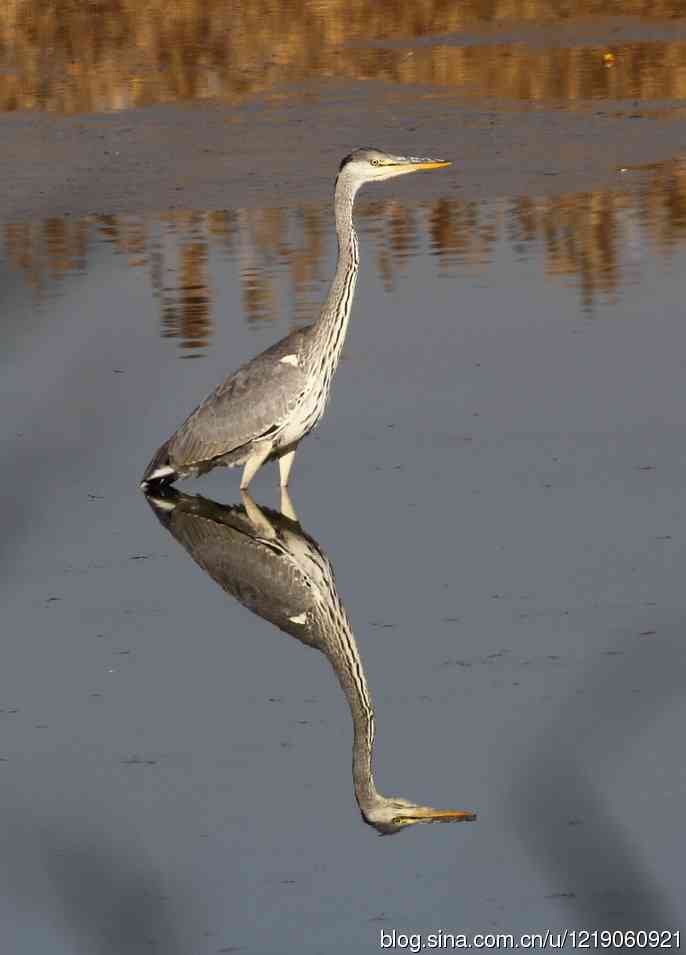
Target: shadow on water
{"x": 267, "y": 562}
{"x": 90, "y": 887}
{"x": 566, "y": 823}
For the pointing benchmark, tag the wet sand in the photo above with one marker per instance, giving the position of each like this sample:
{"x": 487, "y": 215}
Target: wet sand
{"x": 280, "y": 147}
{"x": 283, "y": 153}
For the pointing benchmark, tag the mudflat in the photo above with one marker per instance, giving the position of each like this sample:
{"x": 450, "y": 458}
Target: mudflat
{"x": 209, "y": 156}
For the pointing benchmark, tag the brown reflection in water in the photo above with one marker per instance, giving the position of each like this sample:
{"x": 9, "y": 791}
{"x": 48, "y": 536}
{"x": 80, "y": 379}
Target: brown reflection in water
{"x": 582, "y": 237}
{"x": 47, "y": 250}
{"x": 195, "y": 322}
{"x": 592, "y": 240}
{"x": 662, "y": 205}
{"x": 457, "y": 234}
{"x": 178, "y": 267}
{"x": 75, "y": 57}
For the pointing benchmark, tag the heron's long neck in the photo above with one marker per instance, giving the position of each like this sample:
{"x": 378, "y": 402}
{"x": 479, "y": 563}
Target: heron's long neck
{"x": 341, "y": 649}
{"x": 330, "y": 328}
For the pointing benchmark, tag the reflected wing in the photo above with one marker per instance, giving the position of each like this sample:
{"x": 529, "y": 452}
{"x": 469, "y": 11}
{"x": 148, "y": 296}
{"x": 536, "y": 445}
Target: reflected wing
{"x": 262, "y": 573}
{"x": 248, "y": 405}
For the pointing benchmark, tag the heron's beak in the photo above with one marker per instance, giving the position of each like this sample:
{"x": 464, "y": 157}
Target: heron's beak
{"x": 426, "y": 814}
{"x": 432, "y": 164}
{"x": 412, "y": 164}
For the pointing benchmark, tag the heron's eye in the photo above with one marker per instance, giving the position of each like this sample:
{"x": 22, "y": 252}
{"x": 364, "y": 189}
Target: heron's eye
{"x": 375, "y": 162}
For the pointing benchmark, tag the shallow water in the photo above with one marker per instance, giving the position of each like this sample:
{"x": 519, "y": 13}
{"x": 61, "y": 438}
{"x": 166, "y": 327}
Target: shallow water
{"x": 497, "y": 484}
{"x": 601, "y": 243}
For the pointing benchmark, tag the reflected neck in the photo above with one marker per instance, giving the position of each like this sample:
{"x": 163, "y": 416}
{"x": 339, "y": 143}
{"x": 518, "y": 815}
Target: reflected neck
{"x": 341, "y": 649}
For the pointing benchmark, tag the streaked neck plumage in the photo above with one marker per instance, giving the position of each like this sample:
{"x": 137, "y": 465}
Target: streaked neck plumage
{"x": 336, "y": 640}
{"x": 328, "y": 332}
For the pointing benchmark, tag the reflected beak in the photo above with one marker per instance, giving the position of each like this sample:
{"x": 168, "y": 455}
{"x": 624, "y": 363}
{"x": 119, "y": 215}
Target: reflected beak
{"x": 426, "y": 814}
{"x": 163, "y": 503}
{"x": 159, "y": 503}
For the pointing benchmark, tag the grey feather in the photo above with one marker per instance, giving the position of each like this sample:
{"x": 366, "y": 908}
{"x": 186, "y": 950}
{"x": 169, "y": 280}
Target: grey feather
{"x": 254, "y": 401}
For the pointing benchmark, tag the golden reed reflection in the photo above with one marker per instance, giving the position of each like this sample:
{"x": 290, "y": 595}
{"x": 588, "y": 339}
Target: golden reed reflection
{"x": 71, "y": 57}
{"x": 591, "y": 239}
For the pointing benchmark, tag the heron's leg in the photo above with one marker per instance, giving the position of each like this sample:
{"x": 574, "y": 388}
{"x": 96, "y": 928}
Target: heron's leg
{"x": 254, "y": 463}
{"x": 257, "y": 518}
{"x": 287, "y": 508}
{"x": 285, "y": 465}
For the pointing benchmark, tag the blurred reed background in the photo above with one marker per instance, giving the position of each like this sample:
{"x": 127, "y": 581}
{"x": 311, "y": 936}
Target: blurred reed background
{"x": 73, "y": 56}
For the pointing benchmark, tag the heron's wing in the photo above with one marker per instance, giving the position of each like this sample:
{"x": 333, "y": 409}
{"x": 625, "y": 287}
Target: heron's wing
{"x": 245, "y": 407}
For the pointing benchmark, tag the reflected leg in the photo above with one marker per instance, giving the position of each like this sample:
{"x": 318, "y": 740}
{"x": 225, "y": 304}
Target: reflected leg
{"x": 258, "y": 520}
{"x": 287, "y": 508}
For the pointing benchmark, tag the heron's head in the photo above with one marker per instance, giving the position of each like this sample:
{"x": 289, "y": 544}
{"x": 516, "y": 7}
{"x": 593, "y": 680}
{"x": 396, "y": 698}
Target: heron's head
{"x": 373, "y": 165}
{"x": 391, "y": 814}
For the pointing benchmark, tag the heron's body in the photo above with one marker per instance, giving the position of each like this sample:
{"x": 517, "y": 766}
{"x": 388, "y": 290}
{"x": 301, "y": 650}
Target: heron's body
{"x": 264, "y": 409}
{"x": 266, "y": 561}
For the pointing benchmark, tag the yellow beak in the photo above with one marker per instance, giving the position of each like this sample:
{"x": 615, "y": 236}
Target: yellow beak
{"x": 431, "y": 164}
{"x": 425, "y": 814}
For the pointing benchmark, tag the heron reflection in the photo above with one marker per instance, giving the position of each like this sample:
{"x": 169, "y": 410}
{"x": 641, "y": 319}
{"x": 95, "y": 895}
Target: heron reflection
{"x": 267, "y": 562}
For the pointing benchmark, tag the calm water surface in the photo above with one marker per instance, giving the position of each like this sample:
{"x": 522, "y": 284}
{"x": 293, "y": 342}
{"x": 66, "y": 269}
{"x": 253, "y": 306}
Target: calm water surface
{"x": 599, "y": 243}
{"x": 497, "y": 483}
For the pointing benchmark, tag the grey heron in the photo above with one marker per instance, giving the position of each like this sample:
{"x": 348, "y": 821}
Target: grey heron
{"x": 266, "y": 561}
{"x": 264, "y": 409}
